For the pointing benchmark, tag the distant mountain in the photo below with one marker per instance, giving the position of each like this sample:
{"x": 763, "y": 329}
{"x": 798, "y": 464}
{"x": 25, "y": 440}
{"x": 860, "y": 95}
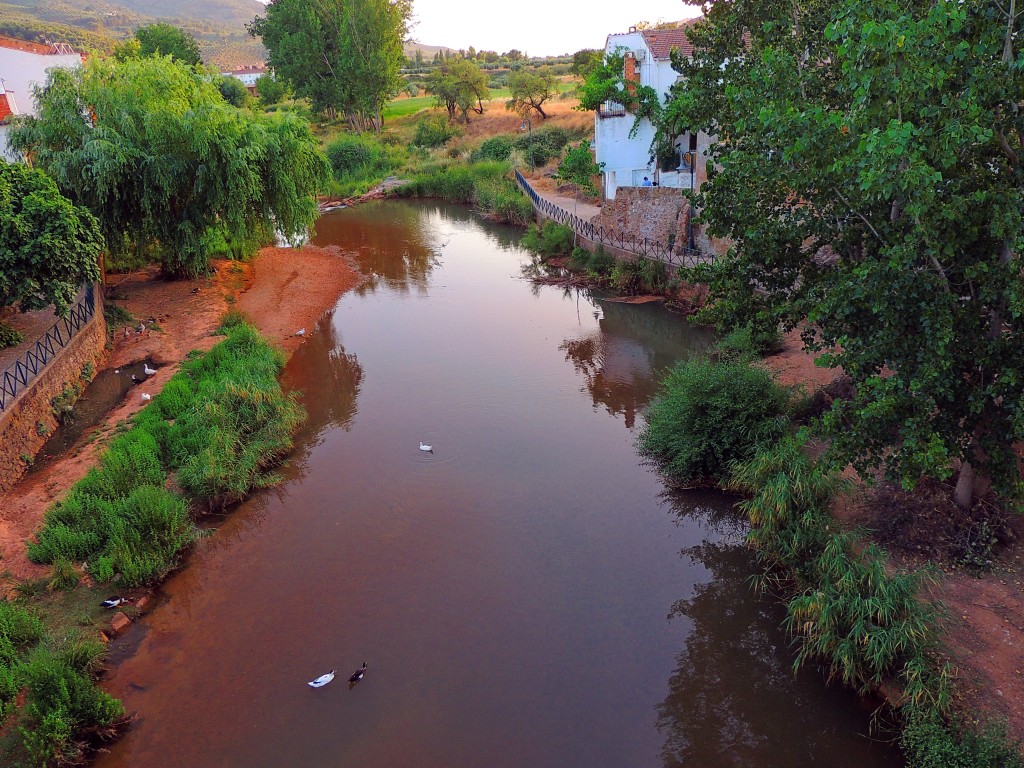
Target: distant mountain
{"x": 428, "y": 50}
{"x": 218, "y": 25}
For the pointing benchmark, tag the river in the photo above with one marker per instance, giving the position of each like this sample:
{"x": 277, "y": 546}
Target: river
{"x": 527, "y": 595}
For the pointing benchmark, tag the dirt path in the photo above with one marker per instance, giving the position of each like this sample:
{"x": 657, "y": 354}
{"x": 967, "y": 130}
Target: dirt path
{"x": 282, "y": 290}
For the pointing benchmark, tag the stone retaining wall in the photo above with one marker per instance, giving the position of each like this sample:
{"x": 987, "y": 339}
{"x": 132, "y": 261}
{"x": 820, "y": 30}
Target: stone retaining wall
{"x": 657, "y": 213}
{"x": 20, "y": 422}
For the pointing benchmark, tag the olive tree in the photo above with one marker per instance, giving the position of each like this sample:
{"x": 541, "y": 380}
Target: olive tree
{"x": 150, "y": 147}
{"x": 530, "y": 90}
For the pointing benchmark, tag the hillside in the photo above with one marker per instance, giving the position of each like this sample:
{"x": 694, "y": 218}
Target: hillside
{"x": 218, "y": 25}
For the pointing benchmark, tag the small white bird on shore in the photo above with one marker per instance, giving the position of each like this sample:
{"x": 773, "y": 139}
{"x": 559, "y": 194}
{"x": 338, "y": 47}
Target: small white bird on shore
{"x": 323, "y": 680}
{"x": 147, "y": 370}
{"x": 146, "y": 397}
{"x": 426, "y": 448}
{"x": 300, "y": 332}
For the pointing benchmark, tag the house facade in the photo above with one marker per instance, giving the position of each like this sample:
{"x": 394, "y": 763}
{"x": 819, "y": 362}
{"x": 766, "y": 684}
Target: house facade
{"x": 628, "y": 159}
{"x": 248, "y": 75}
{"x": 23, "y": 66}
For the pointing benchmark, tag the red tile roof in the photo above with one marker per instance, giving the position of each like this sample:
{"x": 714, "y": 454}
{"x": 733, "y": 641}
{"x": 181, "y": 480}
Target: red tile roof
{"x": 662, "y": 41}
{"x": 25, "y": 45}
{"x": 5, "y": 107}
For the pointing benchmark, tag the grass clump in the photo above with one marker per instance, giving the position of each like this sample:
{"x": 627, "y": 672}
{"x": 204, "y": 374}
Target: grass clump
{"x": 708, "y": 416}
{"x": 928, "y": 743}
{"x": 747, "y": 344}
{"x": 550, "y": 239}
{"x": 360, "y": 162}
{"x": 485, "y": 185}
{"x": 236, "y": 425}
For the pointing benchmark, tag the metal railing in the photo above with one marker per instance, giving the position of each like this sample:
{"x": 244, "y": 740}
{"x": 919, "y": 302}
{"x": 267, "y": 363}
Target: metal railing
{"x": 672, "y": 255}
{"x": 20, "y": 374}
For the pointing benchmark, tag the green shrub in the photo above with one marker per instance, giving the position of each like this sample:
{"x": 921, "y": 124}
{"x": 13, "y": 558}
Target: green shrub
{"x": 19, "y": 628}
{"x": 928, "y": 743}
{"x": 10, "y": 337}
{"x": 640, "y": 275}
{"x": 542, "y": 145}
{"x": 61, "y": 702}
{"x": 550, "y": 239}
{"x": 434, "y": 131}
{"x": 495, "y": 148}
{"x": 708, "y": 416}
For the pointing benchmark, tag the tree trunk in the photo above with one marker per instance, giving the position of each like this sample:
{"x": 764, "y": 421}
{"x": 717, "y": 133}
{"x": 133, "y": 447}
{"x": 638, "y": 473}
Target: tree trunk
{"x": 964, "y": 493}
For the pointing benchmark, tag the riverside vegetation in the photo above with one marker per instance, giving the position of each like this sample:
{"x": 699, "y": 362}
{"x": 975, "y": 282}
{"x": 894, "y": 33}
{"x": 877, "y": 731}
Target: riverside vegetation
{"x": 219, "y": 426}
{"x": 726, "y": 422}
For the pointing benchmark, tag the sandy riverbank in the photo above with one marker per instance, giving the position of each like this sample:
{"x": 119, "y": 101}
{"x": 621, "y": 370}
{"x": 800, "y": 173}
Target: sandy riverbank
{"x": 282, "y": 289}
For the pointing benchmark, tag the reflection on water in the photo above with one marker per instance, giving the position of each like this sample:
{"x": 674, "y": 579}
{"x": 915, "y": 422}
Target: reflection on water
{"x": 733, "y": 698}
{"x": 511, "y": 592}
{"x": 622, "y": 360}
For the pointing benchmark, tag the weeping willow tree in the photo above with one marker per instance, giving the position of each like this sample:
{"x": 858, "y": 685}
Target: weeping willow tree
{"x": 166, "y": 165}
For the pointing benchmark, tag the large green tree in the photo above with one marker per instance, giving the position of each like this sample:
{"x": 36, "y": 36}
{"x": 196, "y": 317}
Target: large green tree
{"x": 48, "y": 246}
{"x": 151, "y": 148}
{"x": 161, "y": 39}
{"x": 459, "y": 86}
{"x": 868, "y": 173}
{"x": 343, "y": 55}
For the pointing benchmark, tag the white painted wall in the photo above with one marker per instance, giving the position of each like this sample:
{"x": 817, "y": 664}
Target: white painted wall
{"x": 22, "y": 70}
{"x": 627, "y": 160}
{"x": 5, "y": 153}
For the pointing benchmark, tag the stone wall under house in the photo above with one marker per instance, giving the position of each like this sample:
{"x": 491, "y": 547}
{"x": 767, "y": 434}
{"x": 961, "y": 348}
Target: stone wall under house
{"x": 659, "y": 214}
{"x": 20, "y": 421}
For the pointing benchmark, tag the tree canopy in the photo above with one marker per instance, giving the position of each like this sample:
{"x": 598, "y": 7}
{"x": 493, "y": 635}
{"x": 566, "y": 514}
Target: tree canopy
{"x": 459, "y": 87}
{"x": 151, "y": 148}
{"x": 585, "y": 60}
{"x": 530, "y": 90}
{"x": 868, "y": 173}
{"x": 161, "y": 39}
{"x": 343, "y": 55}
{"x": 48, "y": 246}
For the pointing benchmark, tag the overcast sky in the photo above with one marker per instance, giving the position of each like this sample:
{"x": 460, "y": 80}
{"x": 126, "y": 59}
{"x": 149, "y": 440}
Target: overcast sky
{"x": 539, "y": 27}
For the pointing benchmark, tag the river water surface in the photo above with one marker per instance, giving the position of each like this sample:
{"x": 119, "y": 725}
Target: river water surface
{"x": 527, "y": 596}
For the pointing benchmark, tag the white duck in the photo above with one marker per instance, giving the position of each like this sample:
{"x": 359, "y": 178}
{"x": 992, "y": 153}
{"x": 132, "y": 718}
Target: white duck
{"x": 146, "y": 397}
{"x": 147, "y": 370}
{"x": 426, "y": 448}
{"x": 323, "y": 680}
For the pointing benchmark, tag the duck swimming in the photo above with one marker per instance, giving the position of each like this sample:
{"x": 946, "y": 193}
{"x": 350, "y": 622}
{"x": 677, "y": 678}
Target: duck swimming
{"x": 356, "y": 676}
{"x": 323, "y": 680}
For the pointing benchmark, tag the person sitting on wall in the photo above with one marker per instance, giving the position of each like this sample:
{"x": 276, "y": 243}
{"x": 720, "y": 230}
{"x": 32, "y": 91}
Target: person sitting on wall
{"x": 647, "y": 182}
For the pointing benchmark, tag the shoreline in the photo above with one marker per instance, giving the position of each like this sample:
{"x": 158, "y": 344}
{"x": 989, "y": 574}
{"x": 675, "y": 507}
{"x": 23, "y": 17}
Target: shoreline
{"x": 307, "y": 283}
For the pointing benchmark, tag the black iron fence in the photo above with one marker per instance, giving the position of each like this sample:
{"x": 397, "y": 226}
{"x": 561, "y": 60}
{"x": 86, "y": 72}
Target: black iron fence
{"x": 20, "y": 374}
{"x": 670, "y": 254}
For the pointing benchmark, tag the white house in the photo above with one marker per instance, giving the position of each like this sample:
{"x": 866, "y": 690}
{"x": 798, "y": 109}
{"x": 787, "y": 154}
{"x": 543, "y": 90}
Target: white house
{"x": 248, "y": 75}
{"x": 23, "y": 65}
{"x": 627, "y": 161}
